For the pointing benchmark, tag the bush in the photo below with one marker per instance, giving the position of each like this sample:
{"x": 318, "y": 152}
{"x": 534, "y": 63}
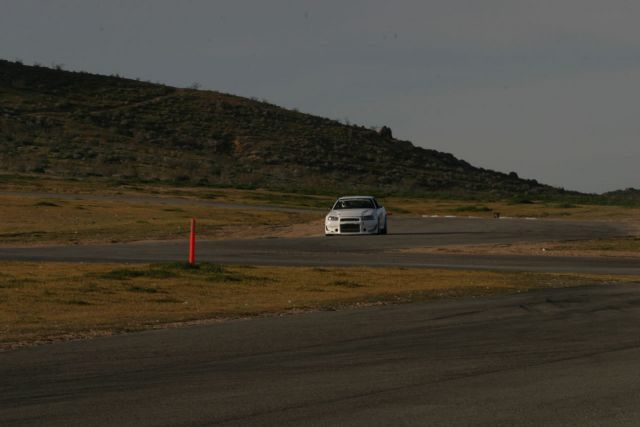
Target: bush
{"x": 473, "y": 209}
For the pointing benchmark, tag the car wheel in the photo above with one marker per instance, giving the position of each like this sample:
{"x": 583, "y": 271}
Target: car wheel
{"x": 383, "y": 230}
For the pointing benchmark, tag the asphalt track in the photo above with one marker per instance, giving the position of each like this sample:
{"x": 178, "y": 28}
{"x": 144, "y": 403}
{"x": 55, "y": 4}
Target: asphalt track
{"x": 549, "y": 357}
{"x": 554, "y": 358}
{"x": 406, "y": 233}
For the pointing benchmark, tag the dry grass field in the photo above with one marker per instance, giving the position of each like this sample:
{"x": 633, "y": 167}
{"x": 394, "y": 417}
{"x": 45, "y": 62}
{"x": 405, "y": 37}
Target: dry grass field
{"x": 101, "y": 211}
{"x": 398, "y": 205}
{"x": 56, "y": 301}
{"x": 532, "y": 209}
{"x": 28, "y": 221}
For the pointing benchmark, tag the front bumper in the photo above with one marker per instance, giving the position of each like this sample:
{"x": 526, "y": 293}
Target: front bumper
{"x": 351, "y": 227}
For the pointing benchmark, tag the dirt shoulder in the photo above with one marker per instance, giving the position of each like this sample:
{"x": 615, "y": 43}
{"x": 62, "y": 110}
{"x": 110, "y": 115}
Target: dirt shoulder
{"x": 628, "y": 247}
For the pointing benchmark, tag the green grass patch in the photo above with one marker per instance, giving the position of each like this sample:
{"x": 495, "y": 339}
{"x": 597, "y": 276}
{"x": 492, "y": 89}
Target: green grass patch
{"x": 226, "y": 278}
{"x": 46, "y": 204}
{"x": 130, "y": 273}
{"x": 520, "y": 201}
{"x": 168, "y": 300}
{"x": 564, "y": 205}
{"x": 144, "y": 289}
{"x": 346, "y": 284}
{"x": 171, "y": 270}
{"x": 78, "y": 302}
{"x": 202, "y": 267}
{"x": 473, "y": 209}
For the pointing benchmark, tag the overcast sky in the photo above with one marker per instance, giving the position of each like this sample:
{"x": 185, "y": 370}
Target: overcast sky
{"x": 549, "y": 89}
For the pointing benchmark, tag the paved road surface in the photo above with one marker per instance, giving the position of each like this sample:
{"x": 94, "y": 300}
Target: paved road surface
{"x": 371, "y": 250}
{"x": 552, "y": 357}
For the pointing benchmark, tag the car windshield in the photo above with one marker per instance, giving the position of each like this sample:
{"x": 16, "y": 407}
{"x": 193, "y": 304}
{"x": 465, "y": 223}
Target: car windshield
{"x": 354, "y": 204}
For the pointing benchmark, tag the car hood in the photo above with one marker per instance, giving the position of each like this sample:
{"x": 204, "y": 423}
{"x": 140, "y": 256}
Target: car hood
{"x": 351, "y": 212}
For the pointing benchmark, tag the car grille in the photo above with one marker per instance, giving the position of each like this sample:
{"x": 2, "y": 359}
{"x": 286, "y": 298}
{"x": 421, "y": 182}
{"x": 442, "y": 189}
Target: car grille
{"x": 349, "y": 219}
{"x": 349, "y": 228}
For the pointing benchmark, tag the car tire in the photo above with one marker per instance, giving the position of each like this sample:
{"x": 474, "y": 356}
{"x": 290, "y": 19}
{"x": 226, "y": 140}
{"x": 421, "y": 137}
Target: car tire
{"x": 384, "y": 229}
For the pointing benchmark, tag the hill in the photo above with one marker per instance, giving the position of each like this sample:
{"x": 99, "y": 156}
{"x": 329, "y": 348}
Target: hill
{"x": 628, "y": 194}
{"x": 76, "y": 124}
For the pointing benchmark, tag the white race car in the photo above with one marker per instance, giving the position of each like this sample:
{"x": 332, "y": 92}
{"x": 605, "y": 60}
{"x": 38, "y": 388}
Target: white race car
{"x": 356, "y": 215}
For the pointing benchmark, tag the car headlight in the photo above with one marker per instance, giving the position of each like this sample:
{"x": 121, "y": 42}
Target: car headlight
{"x": 332, "y": 218}
{"x": 368, "y": 218}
